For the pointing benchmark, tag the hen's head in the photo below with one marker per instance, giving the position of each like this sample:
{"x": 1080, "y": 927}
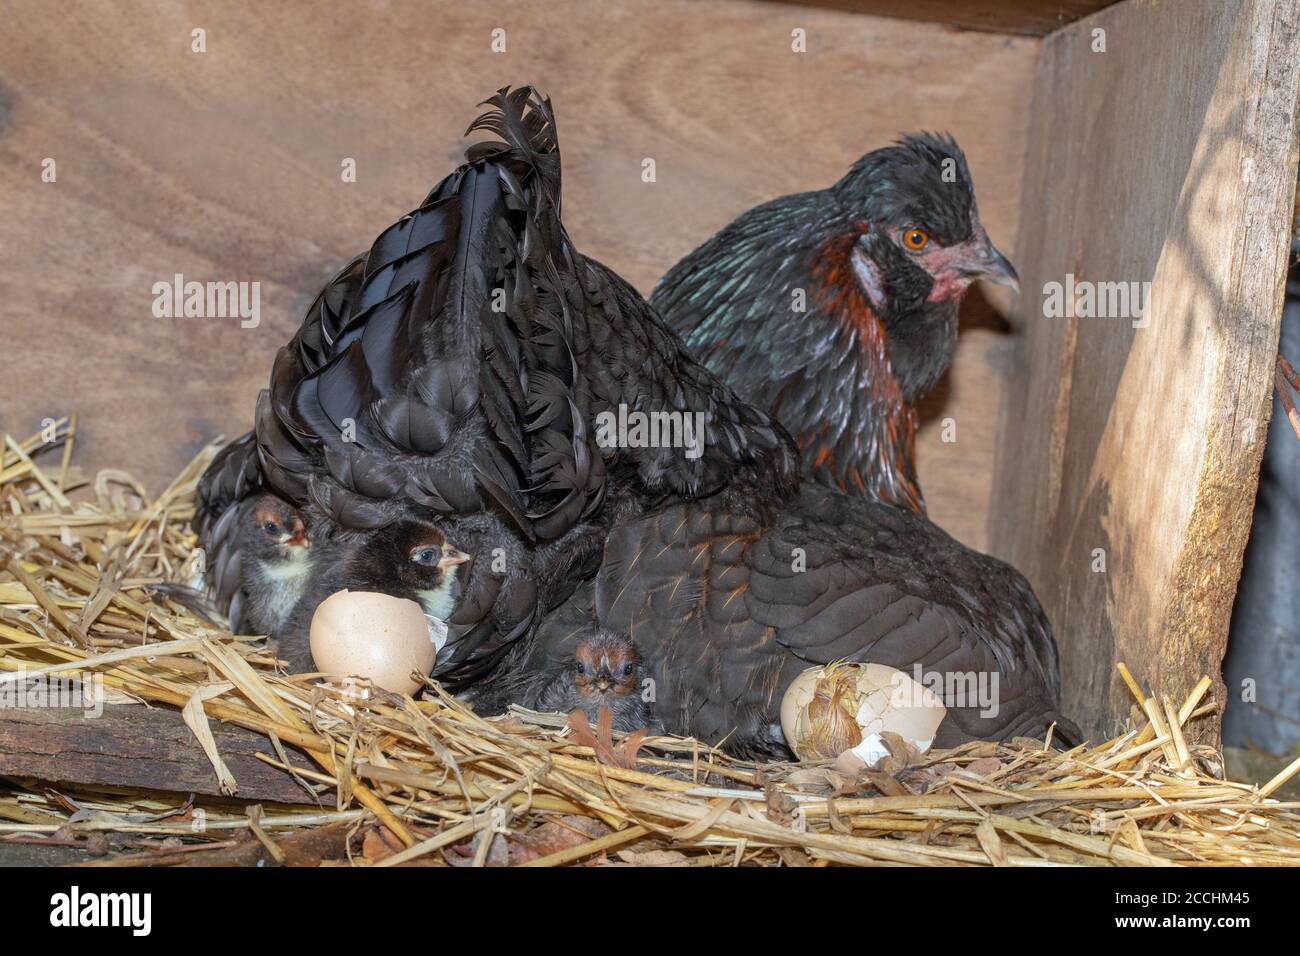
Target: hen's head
{"x": 918, "y": 245}
{"x": 921, "y": 231}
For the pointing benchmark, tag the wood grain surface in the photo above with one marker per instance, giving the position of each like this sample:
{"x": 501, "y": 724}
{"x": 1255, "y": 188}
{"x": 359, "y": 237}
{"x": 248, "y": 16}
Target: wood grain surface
{"x": 141, "y": 748}
{"x": 226, "y": 165}
{"x": 1171, "y": 158}
{"x": 1030, "y": 17}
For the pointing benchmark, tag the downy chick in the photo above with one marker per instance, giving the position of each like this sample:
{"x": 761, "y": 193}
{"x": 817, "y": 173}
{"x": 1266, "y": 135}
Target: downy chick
{"x": 410, "y": 558}
{"x": 275, "y": 564}
{"x": 605, "y": 671}
{"x": 263, "y": 569}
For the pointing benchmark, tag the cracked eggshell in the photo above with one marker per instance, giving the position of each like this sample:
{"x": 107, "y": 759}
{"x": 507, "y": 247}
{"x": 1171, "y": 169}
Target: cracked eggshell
{"x": 884, "y": 699}
{"x": 371, "y": 635}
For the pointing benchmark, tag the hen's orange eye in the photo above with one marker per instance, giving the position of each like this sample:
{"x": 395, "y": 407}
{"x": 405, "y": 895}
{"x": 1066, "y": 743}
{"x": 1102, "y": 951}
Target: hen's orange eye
{"x": 915, "y": 239}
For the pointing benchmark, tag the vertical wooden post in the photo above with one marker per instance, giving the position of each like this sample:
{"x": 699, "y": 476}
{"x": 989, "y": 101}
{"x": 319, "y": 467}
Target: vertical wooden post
{"x": 1129, "y": 455}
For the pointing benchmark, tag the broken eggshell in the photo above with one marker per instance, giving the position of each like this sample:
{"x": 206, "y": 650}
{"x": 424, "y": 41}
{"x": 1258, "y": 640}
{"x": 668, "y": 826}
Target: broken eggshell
{"x": 845, "y": 707}
{"x": 375, "y": 636}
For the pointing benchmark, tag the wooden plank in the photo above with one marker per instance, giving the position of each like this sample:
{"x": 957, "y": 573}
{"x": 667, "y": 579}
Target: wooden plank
{"x": 1170, "y": 158}
{"x": 310, "y": 847}
{"x": 1029, "y": 17}
{"x": 226, "y": 165}
{"x": 34, "y": 853}
{"x": 139, "y": 747}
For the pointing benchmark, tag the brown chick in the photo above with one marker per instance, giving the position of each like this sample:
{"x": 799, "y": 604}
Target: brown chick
{"x": 605, "y": 671}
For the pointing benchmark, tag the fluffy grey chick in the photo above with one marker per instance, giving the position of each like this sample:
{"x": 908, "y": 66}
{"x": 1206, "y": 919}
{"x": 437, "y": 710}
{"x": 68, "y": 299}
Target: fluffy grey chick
{"x": 604, "y": 671}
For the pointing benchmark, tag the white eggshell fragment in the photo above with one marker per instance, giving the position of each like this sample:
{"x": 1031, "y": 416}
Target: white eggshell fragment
{"x": 371, "y": 635}
{"x": 886, "y": 699}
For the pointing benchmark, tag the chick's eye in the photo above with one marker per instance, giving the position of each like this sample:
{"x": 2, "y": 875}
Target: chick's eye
{"x": 915, "y": 239}
{"x": 426, "y": 555}
{"x": 582, "y": 669}
{"x": 627, "y": 670}
{"x": 270, "y": 527}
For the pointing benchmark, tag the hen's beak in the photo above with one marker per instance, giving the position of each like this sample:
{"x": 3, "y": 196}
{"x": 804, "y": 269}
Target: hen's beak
{"x": 985, "y": 262}
{"x": 451, "y": 558}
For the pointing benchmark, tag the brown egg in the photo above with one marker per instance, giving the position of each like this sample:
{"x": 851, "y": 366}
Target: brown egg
{"x": 375, "y": 636}
{"x": 827, "y": 711}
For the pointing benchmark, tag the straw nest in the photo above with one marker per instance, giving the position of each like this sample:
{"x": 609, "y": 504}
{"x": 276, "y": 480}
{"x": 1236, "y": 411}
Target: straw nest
{"x": 428, "y": 781}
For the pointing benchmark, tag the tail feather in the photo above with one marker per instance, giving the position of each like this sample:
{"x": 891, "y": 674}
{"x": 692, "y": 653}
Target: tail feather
{"x": 233, "y": 474}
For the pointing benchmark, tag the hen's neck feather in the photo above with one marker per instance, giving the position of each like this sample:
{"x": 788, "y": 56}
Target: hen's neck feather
{"x": 825, "y": 372}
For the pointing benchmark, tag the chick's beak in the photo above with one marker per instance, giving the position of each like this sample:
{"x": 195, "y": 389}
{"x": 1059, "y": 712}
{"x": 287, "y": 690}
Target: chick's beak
{"x": 451, "y": 558}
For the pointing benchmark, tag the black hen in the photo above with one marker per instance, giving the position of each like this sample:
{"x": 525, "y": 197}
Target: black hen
{"x": 836, "y": 310}
{"x": 729, "y": 596}
{"x": 457, "y": 369}
{"x": 728, "y": 601}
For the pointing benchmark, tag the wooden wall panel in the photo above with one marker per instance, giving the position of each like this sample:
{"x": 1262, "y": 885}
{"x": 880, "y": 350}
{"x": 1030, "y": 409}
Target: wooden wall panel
{"x": 1170, "y": 158}
{"x": 1030, "y": 17}
{"x": 225, "y": 165}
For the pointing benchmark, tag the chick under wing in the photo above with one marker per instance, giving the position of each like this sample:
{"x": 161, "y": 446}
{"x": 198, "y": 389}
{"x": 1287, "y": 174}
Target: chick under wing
{"x": 727, "y": 608}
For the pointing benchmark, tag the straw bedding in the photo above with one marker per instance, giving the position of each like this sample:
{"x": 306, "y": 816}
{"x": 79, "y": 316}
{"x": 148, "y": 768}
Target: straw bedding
{"x": 426, "y": 781}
